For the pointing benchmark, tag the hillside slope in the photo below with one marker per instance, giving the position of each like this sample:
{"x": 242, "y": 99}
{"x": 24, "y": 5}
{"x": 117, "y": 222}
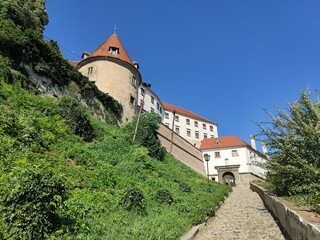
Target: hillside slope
{"x": 67, "y": 171}
{"x": 109, "y": 188}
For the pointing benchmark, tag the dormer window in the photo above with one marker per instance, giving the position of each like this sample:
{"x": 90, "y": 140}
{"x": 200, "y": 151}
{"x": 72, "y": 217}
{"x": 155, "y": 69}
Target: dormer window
{"x": 114, "y": 50}
{"x": 217, "y": 142}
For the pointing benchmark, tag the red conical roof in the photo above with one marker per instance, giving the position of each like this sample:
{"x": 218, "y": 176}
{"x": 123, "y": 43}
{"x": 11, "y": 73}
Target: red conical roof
{"x": 104, "y": 50}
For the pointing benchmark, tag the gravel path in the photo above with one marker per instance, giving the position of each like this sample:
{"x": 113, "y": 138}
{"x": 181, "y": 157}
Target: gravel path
{"x": 242, "y": 216}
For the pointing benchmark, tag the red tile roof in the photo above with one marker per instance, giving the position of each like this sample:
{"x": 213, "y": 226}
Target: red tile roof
{"x": 103, "y": 50}
{"x": 187, "y": 113}
{"x": 74, "y": 63}
{"x": 224, "y": 142}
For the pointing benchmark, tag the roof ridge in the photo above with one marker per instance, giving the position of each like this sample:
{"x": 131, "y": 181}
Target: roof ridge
{"x": 185, "y": 112}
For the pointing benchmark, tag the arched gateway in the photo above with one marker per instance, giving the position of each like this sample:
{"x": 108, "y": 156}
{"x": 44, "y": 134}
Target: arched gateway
{"x": 228, "y": 178}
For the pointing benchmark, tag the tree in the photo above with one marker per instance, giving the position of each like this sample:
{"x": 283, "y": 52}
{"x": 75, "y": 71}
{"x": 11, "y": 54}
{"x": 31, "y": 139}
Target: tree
{"x": 293, "y": 137}
{"x": 147, "y": 134}
{"x": 28, "y": 15}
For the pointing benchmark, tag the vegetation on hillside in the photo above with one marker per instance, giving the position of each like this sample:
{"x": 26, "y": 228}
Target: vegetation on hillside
{"x": 293, "y": 137}
{"x": 22, "y": 48}
{"x": 55, "y": 184}
{"x": 64, "y": 172}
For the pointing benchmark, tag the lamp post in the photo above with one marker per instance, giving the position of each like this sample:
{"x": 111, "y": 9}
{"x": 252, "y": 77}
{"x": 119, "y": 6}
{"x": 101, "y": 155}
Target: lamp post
{"x": 207, "y": 158}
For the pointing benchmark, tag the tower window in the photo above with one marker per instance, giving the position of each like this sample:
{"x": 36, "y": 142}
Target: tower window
{"x": 114, "y": 50}
{"x": 132, "y": 100}
{"x": 134, "y": 81}
{"x": 90, "y": 70}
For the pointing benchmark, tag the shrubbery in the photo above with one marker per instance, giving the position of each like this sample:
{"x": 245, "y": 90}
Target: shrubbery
{"x": 294, "y": 140}
{"x": 77, "y": 118}
{"x": 146, "y": 134}
{"x": 32, "y": 202}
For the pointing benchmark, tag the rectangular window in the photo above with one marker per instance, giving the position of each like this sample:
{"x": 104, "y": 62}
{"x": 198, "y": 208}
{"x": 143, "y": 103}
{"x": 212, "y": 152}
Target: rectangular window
{"x": 196, "y": 135}
{"x": 134, "y": 81}
{"x": 132, "y": 100}
{"x": 205, "y": 135}
{"x": 195, "y": 123}
{"x": 142, "y": 91}
{"x": 187, "y": 121}
{"x": 235, "y": 153}
{"x": 211, "y": 128}
{"x": 177, "y": 129}
{"x": 167, "y": 124}
{"x": 152, "y": 99}
{"x": 204, "y": 126}
{"x": 152, "y": 110}
{"x": 158, "y": 106}
{"x": 90, "y": 70}
{"x": 188, "y": 132}
{"x": 176, "y": 118}
{"x": 212, "y": 136}
{"x": 166, "y": 115}
{"x": 217, "y": 154}
{"x": 161, "y": 110}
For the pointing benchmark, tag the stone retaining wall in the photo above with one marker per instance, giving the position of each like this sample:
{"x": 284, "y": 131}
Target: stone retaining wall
{"x": 181, "y": 149}
{"x": 296, "y": 227}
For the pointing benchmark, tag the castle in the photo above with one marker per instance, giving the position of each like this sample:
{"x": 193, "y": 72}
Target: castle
{"x": 111, "y": 69}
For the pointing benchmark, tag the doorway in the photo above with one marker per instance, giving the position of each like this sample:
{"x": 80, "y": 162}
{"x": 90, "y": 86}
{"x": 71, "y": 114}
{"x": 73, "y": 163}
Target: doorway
{"x": 228, "y": 178}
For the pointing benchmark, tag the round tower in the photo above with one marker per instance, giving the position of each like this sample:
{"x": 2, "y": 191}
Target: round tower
{"x": 113, "y": 72}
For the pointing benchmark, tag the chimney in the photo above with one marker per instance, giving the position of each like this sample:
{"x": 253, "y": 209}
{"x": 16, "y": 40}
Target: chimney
{"x": 264, "y": 149}
{"x": 253, "y": 142}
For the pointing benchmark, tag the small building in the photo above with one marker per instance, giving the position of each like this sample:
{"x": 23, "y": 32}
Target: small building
{"x": 189, "y": 125}
{"x": 150, "y": 101}
{"x": 233, "y": 161}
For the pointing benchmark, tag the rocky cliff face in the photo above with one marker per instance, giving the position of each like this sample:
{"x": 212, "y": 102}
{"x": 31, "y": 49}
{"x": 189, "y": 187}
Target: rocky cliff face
{"x": 45, "y": 85}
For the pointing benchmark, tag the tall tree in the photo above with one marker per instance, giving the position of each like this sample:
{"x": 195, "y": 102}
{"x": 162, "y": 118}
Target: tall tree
{"x": 293, "y": 137}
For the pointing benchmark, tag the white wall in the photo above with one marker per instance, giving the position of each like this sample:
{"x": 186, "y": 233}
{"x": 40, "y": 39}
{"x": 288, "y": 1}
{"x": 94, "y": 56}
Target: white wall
{"x": 183, "y": 126}
{"x": 149, "y": 106}
{"x": 248, "y": 160}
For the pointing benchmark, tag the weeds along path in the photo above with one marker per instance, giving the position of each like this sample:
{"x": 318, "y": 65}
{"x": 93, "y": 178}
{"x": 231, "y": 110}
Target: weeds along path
{"x": 242, "y": 216}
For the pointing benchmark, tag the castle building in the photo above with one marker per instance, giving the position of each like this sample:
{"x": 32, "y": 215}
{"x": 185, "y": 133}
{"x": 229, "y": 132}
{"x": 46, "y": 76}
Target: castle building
{"x": 233, "y": 161}
{"x": 189, "y": 125}
{"x": 113, "y": 72}
{"x": 149, "y": 100}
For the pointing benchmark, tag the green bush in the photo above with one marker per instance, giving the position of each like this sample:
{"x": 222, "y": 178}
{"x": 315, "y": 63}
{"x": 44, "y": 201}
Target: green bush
{"x": 293, "y": 137}
{"x": 133, "y": 200}
{"x": 163, "y": 196}
{"x": 77, "y": 118}
{"x": 146, "y": 134}
{"x": 184, "y": 187}
{"x": 31, "y": 204}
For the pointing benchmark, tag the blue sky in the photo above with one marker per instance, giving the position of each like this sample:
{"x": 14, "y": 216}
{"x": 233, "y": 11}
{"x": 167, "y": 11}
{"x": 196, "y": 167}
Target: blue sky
{"x": 222, "y": 59}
